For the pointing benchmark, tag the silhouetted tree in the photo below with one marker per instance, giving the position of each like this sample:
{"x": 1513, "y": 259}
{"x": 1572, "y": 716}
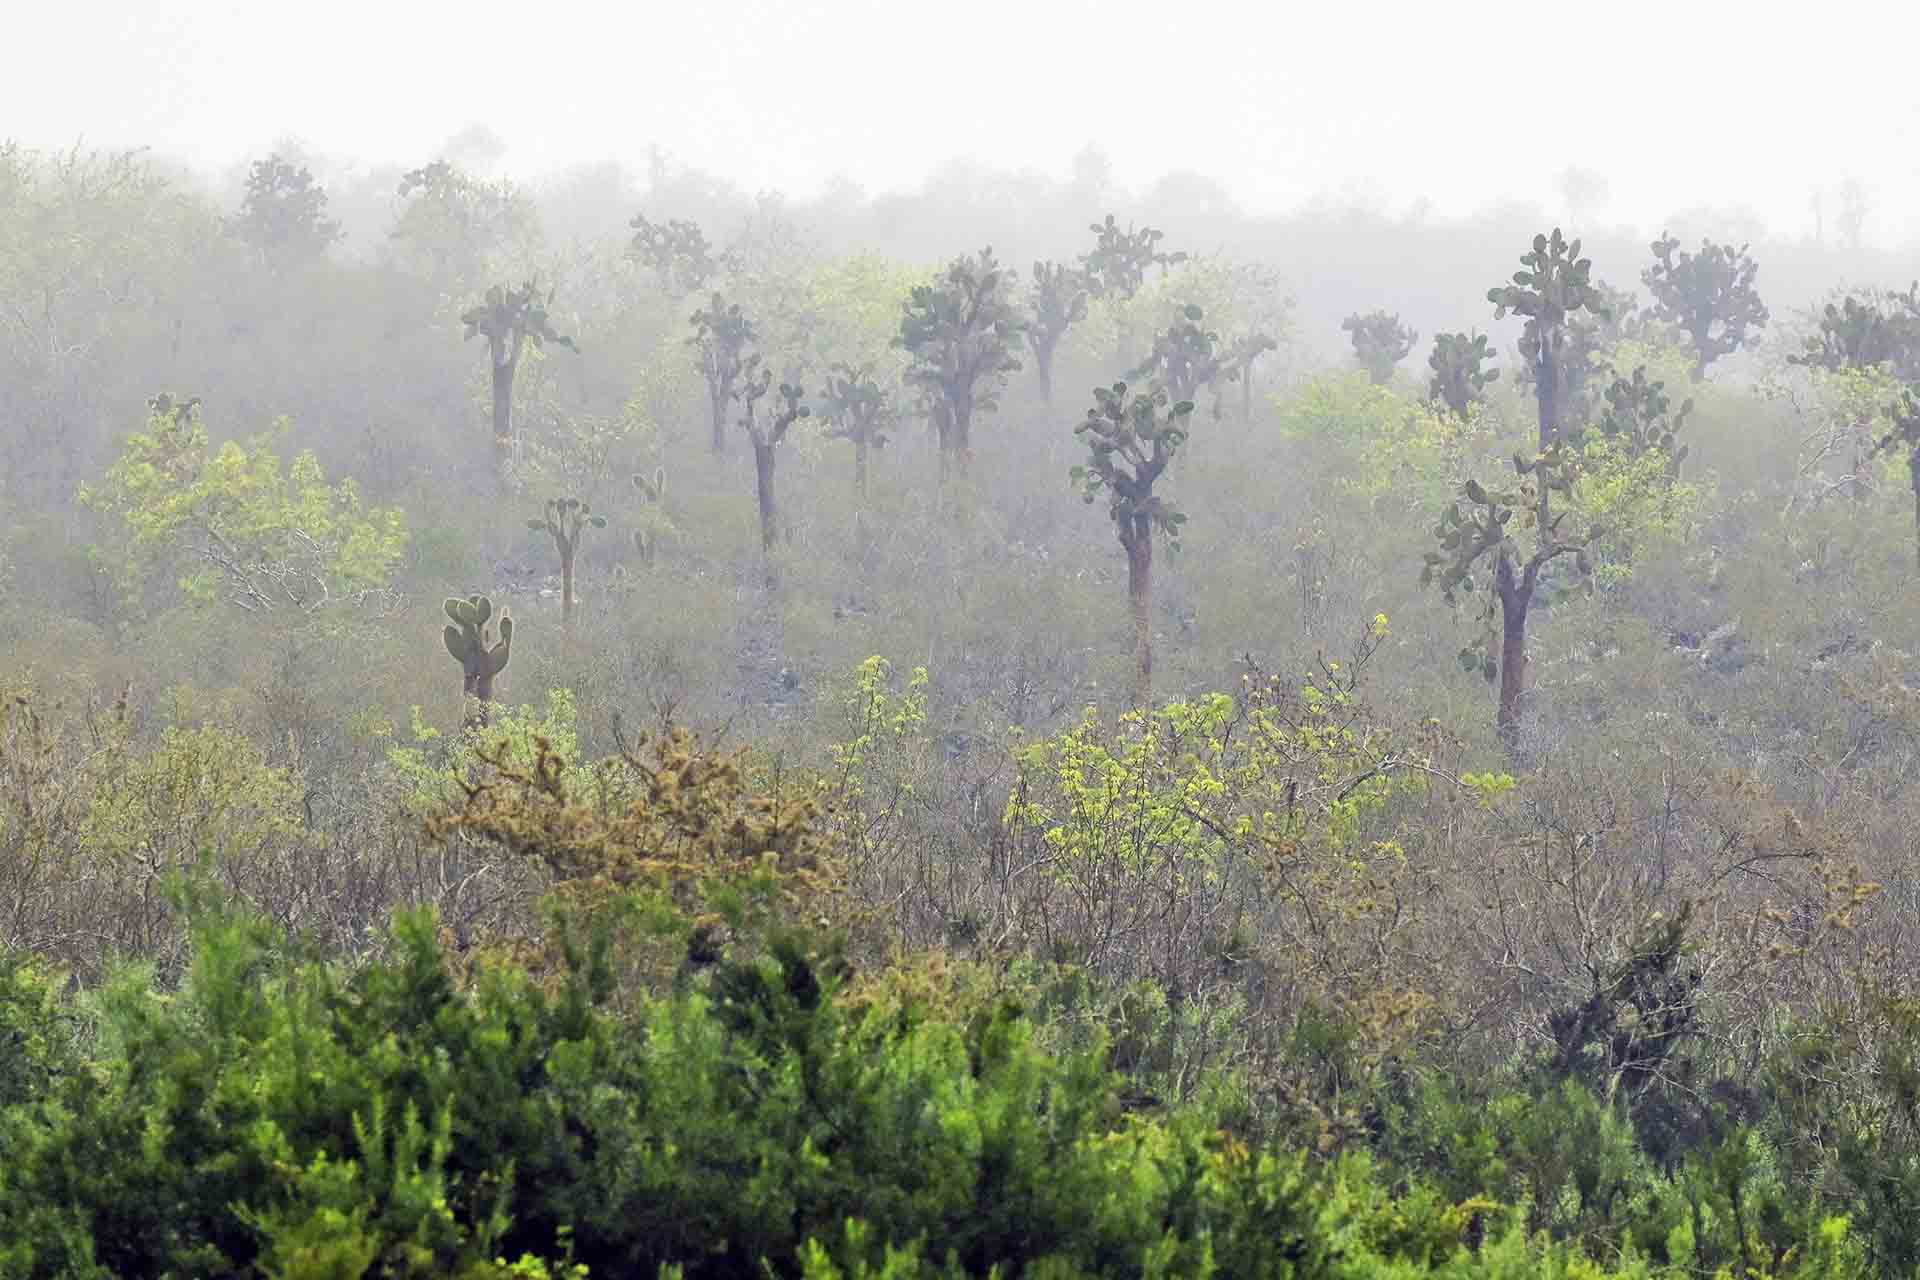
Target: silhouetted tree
{"x": 1237, "y": 366}
{"x": 721, "y": 335}
{"x": 1118, "y": 263}
{"x": 283, "y": 215}
{"x": 563, "y": 520}
{"x": 1131, "y": 437}
{"x": 1380, "y": 342}
{"x": 677, "y": 251}
{"x": 766, "y": 437}
{"x": 1186, "y": 356}
{"x": 1866, "y": 333}
{"x": 1852, "y": 220}
{"x": 1459, "y": 379}
{"x": 857, "y": 407}
{"x": 1556, "y": 284}
{"x": 1058, "y": 302}
{"x": 960, "y": 333}
{"x": 509, "y": 319}
{"x": 1483, "y": 533}
{"x": 458, "y": 223}
{"x": 1709, "y": 295}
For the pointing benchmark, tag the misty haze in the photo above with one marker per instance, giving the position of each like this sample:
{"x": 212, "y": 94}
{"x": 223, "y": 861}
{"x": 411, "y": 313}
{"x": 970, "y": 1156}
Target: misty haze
{"x": 845, "y": 640}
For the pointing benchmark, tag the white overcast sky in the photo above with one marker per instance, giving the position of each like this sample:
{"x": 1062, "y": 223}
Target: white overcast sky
{"x": 1459, "y": 102}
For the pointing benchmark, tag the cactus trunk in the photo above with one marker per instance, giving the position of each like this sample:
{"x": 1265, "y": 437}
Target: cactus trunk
{"x": 718, "y": 395}
{"x": 860, "y": 464}
{"x": 1139, "y": 547}
{"x": 502, "y": 413}
{"x": 566, "y": 586}
{"x": 1043, "y": 365}
{"x": 763, "y": 485}
{"x": 1547, "y": 389}
{"x": 1514, "y": 601}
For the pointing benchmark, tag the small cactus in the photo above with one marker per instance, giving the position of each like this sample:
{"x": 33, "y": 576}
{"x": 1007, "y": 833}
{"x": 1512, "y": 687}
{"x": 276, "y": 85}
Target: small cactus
{"x": 563, "y": 520}
{"x": 472, "y": 643}
{"x": 653, "y": 490}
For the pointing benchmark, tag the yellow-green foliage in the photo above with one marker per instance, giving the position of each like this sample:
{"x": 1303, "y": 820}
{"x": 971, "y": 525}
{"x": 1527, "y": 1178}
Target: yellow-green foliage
{"x": 432, "y": 771}
{"x": 880, "y": 753}
{"x": 1194, "y": 785}
{"x": 856, "y": 304}
{"x": 237, "y": 508}
{"x": 1392, "y": 443}
{"x": 1645, "y": 511}
{"x": 204, "y": 790}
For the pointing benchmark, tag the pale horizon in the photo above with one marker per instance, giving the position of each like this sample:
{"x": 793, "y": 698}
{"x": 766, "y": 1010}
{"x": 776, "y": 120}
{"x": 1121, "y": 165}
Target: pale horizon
{"x": 1413, "y": 115}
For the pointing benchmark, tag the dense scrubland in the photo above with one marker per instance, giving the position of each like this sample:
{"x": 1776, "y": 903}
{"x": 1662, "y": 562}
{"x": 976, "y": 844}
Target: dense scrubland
{"x": 1021, "y": 728}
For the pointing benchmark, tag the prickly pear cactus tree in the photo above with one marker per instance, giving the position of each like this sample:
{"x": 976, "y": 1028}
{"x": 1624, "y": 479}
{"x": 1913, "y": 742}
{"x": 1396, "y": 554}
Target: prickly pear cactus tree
{"x": 1117, "y": 265}
{"x": 653, "y": 493}
{"x": 1640, "y": 418}
{"x": 1555, "y": 283}
{"x": 1905, "y": 415}
{"x": 678, "y": 252}
{"x": 481, "y": 651}
{"x": 1056, "y": 301}
{"x": 564, "y": 520}
{"x": 1866, "y": 333}
{"x": 1493, "y": 545}
{"x": 857, "y": 409}
{"x": 722, "y": 334}
{"x": 1236, "y": 365}
{"x": 766, "y": 434}
{"x": 1131, "y": 437}
{"x": 509, "y": 319}
{"x": 1186, "y": 357}
{"x": 1380, "y": 342}
{"x": 283, "y": 216}
{"x": 1460, "y": 376}
{"x": 960, "y": 334}
{"x": 1709, "y": 294}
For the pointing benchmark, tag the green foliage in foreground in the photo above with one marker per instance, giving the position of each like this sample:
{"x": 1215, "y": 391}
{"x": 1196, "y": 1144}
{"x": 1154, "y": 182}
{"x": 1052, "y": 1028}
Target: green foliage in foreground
{"x": 287, "y": 1115}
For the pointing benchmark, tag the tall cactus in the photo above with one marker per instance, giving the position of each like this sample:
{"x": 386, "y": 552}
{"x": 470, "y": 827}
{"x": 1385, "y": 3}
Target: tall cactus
{"x": 509, "y": 319}
{"x": 960, "y": 333}
{"x": 653, "y": 491}
{"x": 472, "y": 644}
{"x": 722, "y": 334}
{"x": 857, "y": 406}
{"x": 1131, "y": 437}
{"x": 1380, "y": 342}
{"x": 767, "y": 437}
{"x": 1057, "y": 302}
{"x": 1459, "y": 380}
{"x": 678, "y": 252}
{"x": 1118, "y": 264}
{"x": 1242, "y": 351}
{"x": 1483, "y": 531}
{"x": 1556, "y": 285}
{"x": 1709, "y": 294}
{"x": 1186, "y": 356}
{"x": 563, "y": 520}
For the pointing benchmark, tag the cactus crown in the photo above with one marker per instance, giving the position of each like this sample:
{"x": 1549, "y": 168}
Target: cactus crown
{"x": 472, "y": 642}
{"x": 564, "y": 518}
